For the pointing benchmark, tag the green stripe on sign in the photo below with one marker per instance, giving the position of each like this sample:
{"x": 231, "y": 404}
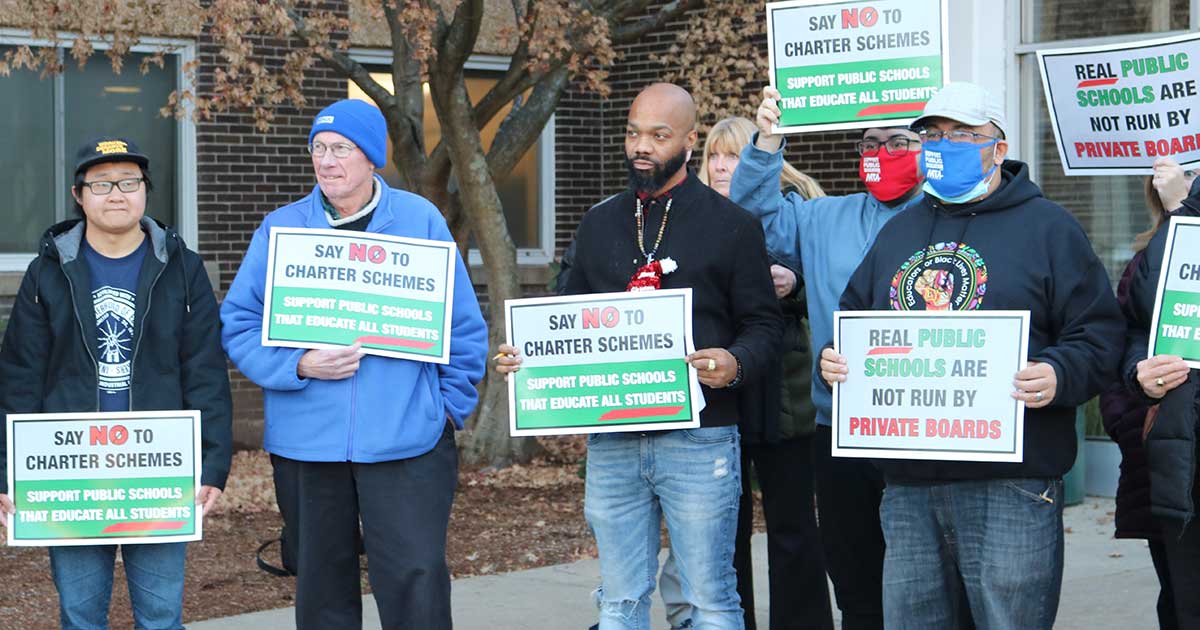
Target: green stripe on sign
{"x": 104, "y": 508}
{"x": 1179, "y": 334}
{"x": 605, "y": 394}
{"x": 343, "y": 317}
{"x": 863, "y": 90}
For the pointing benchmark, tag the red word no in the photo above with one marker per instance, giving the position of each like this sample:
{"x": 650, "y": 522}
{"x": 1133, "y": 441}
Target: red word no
{"x": 362, "y": 252}
{"x": 851, "y": 18}
{"x": 594, "y": 317}
{"x": 116, "y": 434}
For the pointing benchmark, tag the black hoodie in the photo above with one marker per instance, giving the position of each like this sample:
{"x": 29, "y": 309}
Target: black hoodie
{"x": 1022, "y": 252}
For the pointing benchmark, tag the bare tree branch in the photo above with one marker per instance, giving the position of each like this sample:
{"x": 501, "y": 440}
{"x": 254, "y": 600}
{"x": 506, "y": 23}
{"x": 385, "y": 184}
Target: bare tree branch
{"x": 523, "y": 125}
{"x": 460, "y": 38}
{"x": 406, "y": 121}
{"x": 673, "y": 10}
{"x": 343, "y": 63}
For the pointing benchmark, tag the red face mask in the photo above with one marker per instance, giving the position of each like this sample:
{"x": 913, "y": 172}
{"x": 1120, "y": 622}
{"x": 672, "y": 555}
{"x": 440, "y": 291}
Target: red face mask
{"x": 888, "y": 176}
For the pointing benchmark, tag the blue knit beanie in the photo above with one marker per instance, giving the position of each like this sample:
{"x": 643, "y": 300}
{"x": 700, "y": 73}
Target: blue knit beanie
{"x": 361, "y": 123}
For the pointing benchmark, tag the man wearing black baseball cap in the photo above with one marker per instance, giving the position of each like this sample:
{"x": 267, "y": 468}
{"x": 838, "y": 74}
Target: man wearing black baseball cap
{"x": 116, "y": 314}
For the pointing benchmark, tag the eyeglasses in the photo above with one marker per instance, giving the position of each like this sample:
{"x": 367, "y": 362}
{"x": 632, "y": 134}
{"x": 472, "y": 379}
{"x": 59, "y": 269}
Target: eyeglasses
{"x": 102, "y": 188}
{"x": 954, "y": 135}
{"x": 338, "y": 149}
{"x": 895, "y": 145}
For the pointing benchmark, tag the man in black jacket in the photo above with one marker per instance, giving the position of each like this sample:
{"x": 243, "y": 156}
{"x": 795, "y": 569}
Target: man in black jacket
{"x": 116, "y": 314}
{"x": 690, "y": 477}
{"x": 988, "y": 534}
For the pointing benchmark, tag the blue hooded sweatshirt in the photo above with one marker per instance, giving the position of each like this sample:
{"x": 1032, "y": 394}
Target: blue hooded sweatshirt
{"x": 825, "y": 237}
{"x": 391, "y": 408}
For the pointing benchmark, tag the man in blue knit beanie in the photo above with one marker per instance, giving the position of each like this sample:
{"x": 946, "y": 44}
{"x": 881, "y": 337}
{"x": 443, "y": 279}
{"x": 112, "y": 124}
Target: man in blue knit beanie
{"x": 360, "y": 439}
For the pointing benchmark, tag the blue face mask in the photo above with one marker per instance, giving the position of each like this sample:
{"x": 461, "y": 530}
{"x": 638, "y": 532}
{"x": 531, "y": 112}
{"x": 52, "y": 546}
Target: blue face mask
{"x": 953, "y": 170}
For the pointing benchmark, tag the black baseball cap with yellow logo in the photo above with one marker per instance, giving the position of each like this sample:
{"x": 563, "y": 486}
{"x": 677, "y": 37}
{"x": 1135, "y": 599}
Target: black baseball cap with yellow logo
{"x": 108, "y": 149}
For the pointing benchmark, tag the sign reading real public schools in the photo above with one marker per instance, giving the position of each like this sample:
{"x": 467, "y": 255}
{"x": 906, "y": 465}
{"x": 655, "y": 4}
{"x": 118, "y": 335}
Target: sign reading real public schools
{"x": 1117, "y": 108}
{"x": 846, "y": 64}
{"x": 926, "y": 385}
{"x": 1175, "y": 326}
{"x": 104, "y": 478}
{"x": 603, "y": 362}
{"x": 328, "y": 288}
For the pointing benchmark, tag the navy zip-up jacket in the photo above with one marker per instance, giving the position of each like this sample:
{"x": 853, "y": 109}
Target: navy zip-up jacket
{"x": 47, "y": 362}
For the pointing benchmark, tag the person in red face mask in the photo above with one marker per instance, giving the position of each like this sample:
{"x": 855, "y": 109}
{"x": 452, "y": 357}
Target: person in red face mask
{"x": 888, "y": 164}
{"x": 827, "y": 237}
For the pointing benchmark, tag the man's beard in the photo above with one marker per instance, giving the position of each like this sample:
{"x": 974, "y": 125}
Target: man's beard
{"x": 654, "y": 180}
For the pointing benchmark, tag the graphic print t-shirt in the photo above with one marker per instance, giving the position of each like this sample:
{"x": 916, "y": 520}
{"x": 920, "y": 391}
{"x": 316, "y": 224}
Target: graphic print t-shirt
{"x": 114, "y": 287}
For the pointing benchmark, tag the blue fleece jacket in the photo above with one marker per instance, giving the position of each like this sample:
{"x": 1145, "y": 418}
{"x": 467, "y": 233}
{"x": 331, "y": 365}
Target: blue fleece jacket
{"x": 391, "y": 408}
{"x": 825, "y": 237}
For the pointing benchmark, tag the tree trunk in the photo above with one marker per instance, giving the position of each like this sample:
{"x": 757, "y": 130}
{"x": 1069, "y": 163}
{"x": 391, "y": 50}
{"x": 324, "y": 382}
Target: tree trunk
{"x": 488, "y": 443}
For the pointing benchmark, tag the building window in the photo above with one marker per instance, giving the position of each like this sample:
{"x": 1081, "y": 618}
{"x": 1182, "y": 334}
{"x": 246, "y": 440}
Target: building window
{"x": 49, "y": 118}
{"x": 1112, "y": 209}
{"x": 527, "y": 193}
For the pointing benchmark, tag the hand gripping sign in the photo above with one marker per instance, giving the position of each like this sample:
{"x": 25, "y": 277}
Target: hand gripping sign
{"x": 104, "y": 478}
{"x": 603, "y": 362}
{"x": 849, "y": 64}
{"x": 928, "y": 385}
{"x": 329, "y": 288}
{"x": 1175, "y": 327}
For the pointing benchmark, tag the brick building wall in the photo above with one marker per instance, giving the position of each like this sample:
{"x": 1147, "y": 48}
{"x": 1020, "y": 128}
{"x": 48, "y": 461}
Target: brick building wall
{"x": 241, "y": 175}
{"x": 589, "y": 136}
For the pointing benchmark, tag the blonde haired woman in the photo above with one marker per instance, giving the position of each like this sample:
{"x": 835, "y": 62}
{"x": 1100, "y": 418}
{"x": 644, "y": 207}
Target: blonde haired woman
{"x": 722, "y": 149}
{"x": 779, "y": 422}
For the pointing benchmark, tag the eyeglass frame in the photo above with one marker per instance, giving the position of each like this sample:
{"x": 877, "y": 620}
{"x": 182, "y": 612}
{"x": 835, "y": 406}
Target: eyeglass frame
{"x": 974, "y": 135}
{"x": 138, "y": 181}
{"x": 858, "y": 146}
{"x": 334, "y": 148}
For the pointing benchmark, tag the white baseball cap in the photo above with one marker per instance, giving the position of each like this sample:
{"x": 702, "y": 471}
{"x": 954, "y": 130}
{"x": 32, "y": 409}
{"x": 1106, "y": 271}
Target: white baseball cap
{"x": 966, "y": 103}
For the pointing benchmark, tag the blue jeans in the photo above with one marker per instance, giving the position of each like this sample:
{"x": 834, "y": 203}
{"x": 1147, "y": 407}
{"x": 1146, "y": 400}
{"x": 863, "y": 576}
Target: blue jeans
{"x": 989, "y": 550}
{"x": 692, "y": 478}
{"x": 679, "y": 612}
{"x": 84, "y": 579}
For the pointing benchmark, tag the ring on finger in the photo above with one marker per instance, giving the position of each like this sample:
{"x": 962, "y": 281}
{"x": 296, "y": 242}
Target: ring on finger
{"x": 712, "y": 364}
{"x": 1039, "y": 396}
{"x": 1159, "y": 381}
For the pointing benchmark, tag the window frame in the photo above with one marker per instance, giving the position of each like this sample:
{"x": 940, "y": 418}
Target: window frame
{"x": 1027, "y": 78}
{"x": 545, "y": 159}
{"x": 185, "y": 136}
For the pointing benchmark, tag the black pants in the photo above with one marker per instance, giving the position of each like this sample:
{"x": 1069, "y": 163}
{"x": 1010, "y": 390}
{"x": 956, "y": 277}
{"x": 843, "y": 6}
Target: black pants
{"x": 798, "y": 588}
{"x": 1166, "y": 598}
{"x": 848, "y": 495}
{"x": 1183, "y": 559}
{"x": 404, "y": 507}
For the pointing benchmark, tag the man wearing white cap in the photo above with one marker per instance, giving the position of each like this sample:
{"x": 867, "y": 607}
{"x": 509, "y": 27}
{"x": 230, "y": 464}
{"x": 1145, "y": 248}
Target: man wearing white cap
{"x": 987, "y": 535}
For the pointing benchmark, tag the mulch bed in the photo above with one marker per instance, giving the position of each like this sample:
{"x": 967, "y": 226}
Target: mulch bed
{"x": 504, "y": 520}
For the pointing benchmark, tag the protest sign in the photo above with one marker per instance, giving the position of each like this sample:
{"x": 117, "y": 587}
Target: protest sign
{"x": 602, "y": 363}
{"x": 328, "y": 288}
{"x": 1175, "y": 327}
{"x": 854, "y": 64}
{"x": 1117, "y": 108}
{"x": 104, "y": 478}
{"x": 928, "y": 385}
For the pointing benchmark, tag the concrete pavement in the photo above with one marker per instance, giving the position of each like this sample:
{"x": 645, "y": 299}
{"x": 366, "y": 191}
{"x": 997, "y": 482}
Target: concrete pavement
{"x": 1107, "y": 584}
